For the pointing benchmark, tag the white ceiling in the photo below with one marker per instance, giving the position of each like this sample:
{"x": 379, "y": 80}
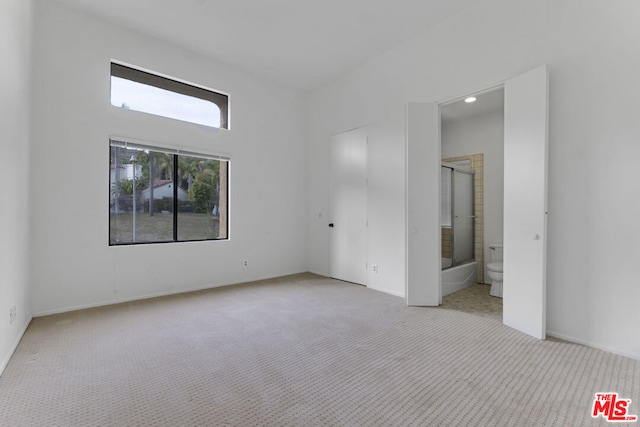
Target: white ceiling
{"x": 301, "y": 43}
{"x": 486, "y": 102}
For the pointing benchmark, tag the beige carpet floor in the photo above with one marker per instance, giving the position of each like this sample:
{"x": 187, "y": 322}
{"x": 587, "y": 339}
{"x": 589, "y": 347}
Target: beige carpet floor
{"x": 299, "y": 351}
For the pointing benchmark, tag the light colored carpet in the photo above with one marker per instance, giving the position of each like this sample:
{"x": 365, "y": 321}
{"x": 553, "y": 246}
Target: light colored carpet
{"x": 299, "y": 351}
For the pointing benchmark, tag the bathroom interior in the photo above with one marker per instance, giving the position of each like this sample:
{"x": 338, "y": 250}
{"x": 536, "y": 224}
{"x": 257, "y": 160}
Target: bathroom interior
{"x": 472, "y": 181}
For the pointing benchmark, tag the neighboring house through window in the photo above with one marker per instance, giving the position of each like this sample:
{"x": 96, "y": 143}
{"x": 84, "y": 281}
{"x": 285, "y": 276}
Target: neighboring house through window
{"x": 160, "y": 194}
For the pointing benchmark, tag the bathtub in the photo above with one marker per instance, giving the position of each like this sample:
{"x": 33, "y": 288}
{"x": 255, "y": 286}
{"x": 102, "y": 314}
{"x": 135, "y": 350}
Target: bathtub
{"x": 458, "y": 277}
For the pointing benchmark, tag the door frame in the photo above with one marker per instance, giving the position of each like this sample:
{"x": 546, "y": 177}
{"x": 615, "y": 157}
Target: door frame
{"x": 423, "y": 280}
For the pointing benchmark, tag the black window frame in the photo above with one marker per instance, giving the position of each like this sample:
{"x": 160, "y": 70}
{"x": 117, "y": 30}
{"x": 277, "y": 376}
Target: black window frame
{"x": 150, "y": 79}
{"x": 121, "y": 143}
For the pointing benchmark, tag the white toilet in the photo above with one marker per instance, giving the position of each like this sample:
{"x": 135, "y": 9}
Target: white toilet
{"x": 494, "y": 269}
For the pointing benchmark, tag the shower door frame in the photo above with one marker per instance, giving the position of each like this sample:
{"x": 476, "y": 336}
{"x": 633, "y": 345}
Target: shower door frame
{"x": 470, "y": 171}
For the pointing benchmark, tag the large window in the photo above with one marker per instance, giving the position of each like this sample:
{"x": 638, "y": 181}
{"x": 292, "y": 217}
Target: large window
{"x": 149, "y": 93}
{"x": 165, "y": 195}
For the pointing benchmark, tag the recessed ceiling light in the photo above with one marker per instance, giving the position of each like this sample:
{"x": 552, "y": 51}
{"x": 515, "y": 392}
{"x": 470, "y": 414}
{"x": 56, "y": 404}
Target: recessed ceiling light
{"x": 470, "y": 99}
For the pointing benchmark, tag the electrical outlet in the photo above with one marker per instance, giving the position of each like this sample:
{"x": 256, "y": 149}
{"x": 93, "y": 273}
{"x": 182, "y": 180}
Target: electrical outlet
{"x": 246, "y": 263}
{"x": 13, "y": 313}
{"x": 375, "y": 268}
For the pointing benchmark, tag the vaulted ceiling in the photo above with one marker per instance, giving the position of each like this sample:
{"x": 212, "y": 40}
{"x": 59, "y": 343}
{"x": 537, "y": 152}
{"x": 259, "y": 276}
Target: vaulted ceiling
{"x": 300, "y": 43}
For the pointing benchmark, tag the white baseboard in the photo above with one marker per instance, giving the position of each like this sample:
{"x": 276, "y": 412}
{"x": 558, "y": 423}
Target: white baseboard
{"x": 317, "y": 273}
{"x": 153, "y": 295}
{"x": 592, "y": 344}
{"x": 5, "y": 362}
{"x": 387, "y": 291}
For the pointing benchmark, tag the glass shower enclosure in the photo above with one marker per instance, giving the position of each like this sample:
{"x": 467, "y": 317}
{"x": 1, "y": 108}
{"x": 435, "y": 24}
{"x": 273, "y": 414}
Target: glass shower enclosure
{"x": 457, "y": 214}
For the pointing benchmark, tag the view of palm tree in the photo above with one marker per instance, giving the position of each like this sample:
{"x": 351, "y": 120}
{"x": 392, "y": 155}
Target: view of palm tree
{"x": 144, "y": 198}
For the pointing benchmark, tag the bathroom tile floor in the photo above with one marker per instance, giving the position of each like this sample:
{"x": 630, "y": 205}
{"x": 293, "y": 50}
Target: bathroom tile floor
{"x": 475, "y": 300}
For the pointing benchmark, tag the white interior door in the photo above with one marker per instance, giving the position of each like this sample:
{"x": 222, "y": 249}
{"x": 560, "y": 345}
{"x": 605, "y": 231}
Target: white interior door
{"x": 348, "y": 206}
{"x": 525, "y": 202}
{"x": 423, "y": 209}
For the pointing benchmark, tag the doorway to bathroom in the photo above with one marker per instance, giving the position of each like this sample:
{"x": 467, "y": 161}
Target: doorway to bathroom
{"x": 525, "y": 202}
{"x": 472, "y": 141}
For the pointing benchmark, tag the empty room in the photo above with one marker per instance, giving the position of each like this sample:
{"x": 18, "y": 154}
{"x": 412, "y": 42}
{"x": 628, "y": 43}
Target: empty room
{"x": 319, "y": 213}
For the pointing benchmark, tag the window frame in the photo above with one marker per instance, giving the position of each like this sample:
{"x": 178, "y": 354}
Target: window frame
{"x": 125, "y": 143}
{"x": 221, "y": 100}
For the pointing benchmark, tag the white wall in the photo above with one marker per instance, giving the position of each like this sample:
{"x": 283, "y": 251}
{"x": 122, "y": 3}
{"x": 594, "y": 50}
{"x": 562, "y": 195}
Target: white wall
{"x": 483, "y": 133}
{"x": 15, "y": 51}
{"x": 71, "y": 262}
{"x": 591, "y": 49}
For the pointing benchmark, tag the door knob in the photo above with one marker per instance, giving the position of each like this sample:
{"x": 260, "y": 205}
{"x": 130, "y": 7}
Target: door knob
{"x": 331, "y": 225}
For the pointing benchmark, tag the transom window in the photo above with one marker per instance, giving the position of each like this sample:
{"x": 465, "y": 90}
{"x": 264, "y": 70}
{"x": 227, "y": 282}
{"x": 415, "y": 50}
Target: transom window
{"x": 165, "y": 195}
{"x": 150, "y": 93}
